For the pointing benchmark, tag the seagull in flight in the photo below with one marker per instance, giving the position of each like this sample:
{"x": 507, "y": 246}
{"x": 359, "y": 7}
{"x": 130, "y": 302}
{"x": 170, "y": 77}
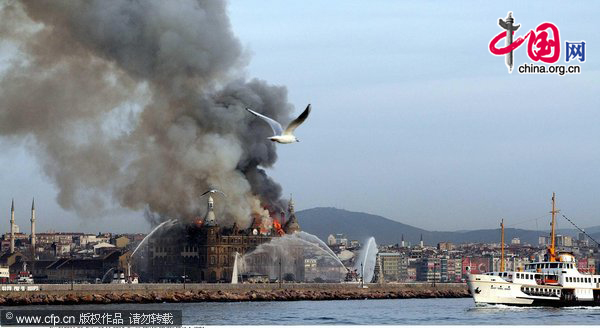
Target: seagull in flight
{"x": 283, "y": 136}
{"x": 213, "y": 191}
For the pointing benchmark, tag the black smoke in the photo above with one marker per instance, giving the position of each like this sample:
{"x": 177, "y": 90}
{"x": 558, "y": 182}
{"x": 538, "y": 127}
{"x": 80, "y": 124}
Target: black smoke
{"x": 139, "y": 104}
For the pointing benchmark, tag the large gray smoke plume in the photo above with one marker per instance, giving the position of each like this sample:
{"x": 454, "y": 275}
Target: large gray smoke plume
{"x": 139, "y": 103}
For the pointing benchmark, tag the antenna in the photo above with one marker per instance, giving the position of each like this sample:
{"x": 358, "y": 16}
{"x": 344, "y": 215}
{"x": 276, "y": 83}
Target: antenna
{"x": 502, "y": 247}
{"x": 553, "y": 231}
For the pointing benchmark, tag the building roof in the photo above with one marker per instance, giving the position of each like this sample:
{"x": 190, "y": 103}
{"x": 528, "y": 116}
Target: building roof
{"x": 103, "y": 245}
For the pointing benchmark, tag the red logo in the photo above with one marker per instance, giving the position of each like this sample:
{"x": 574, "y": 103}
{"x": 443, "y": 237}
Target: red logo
{"x": 539, "y": 46}
{"x": 543, "y": 42}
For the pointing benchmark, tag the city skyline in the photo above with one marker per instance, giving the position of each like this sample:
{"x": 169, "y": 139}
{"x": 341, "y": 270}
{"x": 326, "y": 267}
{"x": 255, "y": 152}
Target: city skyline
{"x": 425, "y": 133}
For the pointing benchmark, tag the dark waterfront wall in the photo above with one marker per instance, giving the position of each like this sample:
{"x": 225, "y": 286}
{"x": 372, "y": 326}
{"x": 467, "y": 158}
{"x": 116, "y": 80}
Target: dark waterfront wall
{"x": 158, "y": 293}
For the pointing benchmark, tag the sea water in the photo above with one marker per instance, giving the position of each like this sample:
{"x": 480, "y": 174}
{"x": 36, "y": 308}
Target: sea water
{"x": 460, "y": 311}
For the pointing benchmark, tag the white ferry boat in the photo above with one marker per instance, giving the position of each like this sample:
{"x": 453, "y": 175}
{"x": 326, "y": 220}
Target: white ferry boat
{"x": 553, "y": 282}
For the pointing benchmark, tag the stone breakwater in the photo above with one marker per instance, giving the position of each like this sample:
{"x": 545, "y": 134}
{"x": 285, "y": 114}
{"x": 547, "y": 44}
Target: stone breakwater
{"x": 246, "y": 293}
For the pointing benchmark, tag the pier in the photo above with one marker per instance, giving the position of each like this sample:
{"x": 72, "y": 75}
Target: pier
{"x": 173, "y": 293}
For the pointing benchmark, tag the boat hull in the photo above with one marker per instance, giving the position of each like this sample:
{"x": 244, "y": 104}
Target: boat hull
{"x": 492, "y": 290}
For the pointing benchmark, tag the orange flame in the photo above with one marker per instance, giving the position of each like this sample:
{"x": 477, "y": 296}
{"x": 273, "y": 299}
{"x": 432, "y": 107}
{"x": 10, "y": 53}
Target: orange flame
{"x": 277, "y": 227}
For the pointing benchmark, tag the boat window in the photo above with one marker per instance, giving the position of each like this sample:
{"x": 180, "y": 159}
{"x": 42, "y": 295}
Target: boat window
{"x": 553, "y": 265}
{"x": 560, "y": 265}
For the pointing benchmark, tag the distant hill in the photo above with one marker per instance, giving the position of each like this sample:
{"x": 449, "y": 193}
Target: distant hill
{"x": 593, "y": 230}
{"x": 323, "y": 221}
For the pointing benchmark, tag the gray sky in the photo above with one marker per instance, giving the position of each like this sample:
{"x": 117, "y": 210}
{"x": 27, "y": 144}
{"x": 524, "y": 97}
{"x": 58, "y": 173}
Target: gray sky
{"x": 412, "y": 119}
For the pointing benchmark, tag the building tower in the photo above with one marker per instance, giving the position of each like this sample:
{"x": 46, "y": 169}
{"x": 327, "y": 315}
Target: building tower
{"x": 291, "y": 224}
{"x": 421, "y": 244}
{"x": 32, "y": 236}
{"x": 378, "y": 272}
{"x": 209, "y": 220}
{"x": 402, "y": 244}
{"x": 12, "y": 227}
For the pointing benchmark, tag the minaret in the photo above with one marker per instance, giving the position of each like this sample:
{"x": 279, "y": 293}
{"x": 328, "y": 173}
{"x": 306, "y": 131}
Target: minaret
{"x": 421, "y": 242}
{"x": 402, "y": 242}
{"x": 32, "y": 236}
{"x": 12, "y": 227}
{"x": 209, "y": 220}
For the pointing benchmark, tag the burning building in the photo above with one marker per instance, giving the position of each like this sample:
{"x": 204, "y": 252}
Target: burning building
{"x": 204, "y": 251}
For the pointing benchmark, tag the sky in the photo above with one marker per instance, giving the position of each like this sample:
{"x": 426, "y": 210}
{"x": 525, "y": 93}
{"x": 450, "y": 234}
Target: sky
{"x": 413, "y": 118}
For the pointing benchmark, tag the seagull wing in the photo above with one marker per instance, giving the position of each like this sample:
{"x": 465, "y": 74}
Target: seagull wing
{"x": 275, "y": 126}
{"x": 295, "y": 123}
{"x": 212, "y": 191}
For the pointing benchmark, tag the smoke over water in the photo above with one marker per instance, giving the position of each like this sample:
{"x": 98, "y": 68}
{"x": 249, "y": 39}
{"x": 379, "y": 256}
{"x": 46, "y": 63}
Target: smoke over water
{"x": 139, "y": 104}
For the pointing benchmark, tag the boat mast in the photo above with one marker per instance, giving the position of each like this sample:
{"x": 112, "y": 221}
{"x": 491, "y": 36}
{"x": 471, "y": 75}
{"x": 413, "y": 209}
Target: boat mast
{"x": 553, "y": 230}
{"x": 502, "y": 247}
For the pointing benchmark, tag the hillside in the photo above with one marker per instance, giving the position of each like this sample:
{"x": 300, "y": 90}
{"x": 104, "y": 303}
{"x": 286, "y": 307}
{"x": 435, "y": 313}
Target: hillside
{"x": 322, "y": 221}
